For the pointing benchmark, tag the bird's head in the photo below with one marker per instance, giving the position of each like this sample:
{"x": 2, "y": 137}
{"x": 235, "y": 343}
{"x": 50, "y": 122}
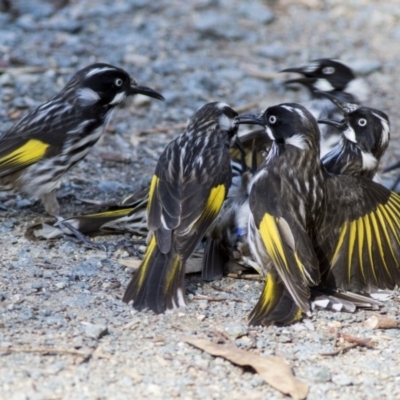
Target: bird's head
{"x": 366, "y": 127}
{"x": 289, "y": 124}
{"x": 215, "y": 115}
{"x": 324, "y": 74}
{"x": 105, "y": 85}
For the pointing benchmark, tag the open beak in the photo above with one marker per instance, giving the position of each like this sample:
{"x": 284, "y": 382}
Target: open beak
{"x": 249, "y": 119}
{"x": 303, "y": 81}
{"x": 146, "y": 91}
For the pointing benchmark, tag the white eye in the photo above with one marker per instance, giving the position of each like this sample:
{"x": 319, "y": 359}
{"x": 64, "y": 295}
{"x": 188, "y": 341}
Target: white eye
{"x": 328, "y": 70}
{"x": 118, "y": 82}
{"x": 272, "y": 119}
{"x": 362, "y": 122}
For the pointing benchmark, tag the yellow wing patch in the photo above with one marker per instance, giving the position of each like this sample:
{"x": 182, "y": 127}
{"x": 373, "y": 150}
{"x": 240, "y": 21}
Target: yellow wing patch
{"x": 269, "y": 303}
{"x": 215, "y": 199}
{"x": 31, "y": 152}
{"x": 375, "y": 239}
{"x": 114, "y": 213}
{"x": 144, "y": 266}
{"x": 274, "y": 245}
{"x": 153, "y": 187}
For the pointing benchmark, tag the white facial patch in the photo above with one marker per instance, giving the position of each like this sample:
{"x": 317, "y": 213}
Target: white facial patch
{"x": 221, "y": 106}
{"x": 87, "y": 96}
{"x": 118, "y": 98}
{"x": 269, "y": 133}
{"x": 385, "y": 128}
{"x": 349, "y": 134}
{"x": 298, "y": 141}
{"x": 95, "y": 71}
{"x": 226, "y": 123}
{"x": 368, "y": 160}
{"x": 323, "y": 85}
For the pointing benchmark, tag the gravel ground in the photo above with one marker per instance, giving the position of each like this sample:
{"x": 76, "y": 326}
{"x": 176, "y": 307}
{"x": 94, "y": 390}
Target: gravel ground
{"x": 63, "y": 296}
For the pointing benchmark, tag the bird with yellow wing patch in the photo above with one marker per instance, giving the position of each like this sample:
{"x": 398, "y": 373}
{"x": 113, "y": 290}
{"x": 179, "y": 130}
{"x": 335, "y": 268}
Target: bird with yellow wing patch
{"x": 45, "y": 144}
{"x": 285, "y": 198}
{"x": 309, "y": 227}
{"x": 188, "y": 188}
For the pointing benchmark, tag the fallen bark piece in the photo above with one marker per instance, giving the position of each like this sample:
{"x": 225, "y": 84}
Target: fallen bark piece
{"x": 381, "y": 322}
{"x": 130, "y": 263}
{"x": 275, "y": 370}
{"x": 358, "y": 341}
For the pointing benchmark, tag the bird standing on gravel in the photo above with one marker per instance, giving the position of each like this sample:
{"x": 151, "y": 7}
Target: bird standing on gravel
{"x": 309, "y": 227}
{"x": 188, "y": 188}
{"x": 37, "y": 151}
{"x": 331, "y": 76}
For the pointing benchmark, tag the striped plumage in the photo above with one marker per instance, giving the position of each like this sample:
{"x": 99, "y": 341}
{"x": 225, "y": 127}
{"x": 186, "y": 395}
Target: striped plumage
{"x": 188, "y": 188}
{"x": 37, "y": 151}
{"x": 312, "y": 227}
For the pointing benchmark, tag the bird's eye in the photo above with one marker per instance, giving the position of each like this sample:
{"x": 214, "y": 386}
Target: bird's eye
{"x": 328, "y": 70}
{"x": 272, "y": 119}
{"x": 118, "y": 82}
{"x": 362, "y": 122}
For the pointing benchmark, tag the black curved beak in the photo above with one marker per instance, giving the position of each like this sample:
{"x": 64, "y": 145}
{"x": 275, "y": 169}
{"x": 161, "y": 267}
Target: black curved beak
{"x": 337, "y": 124}
{"x": 249, "y": 119}
{"x": 146, "y": 91}
{"x": 303, "y": 81}
{"x": 346, "y": 108}
{"x": 298, "y": 70}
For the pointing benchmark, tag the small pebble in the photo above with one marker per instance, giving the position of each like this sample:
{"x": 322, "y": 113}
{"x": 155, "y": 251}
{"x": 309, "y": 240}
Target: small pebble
{"x": 95, "y": 331}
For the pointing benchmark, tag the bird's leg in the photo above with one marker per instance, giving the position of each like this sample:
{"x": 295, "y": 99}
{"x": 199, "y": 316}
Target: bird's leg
{"x": 81, "y": 237}
{"x": 50, "y": 202}
{"x": 131, "y": 246}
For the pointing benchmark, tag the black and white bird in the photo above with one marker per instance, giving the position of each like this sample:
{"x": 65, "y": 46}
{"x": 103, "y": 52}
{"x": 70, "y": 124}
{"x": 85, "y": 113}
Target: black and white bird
{"x": 189, "y": 186}
{"x": 365, "y": 137}
{"x": 333, "y": 77}
{"x": 45, "y": 144}
{"x": 309, "y": 228}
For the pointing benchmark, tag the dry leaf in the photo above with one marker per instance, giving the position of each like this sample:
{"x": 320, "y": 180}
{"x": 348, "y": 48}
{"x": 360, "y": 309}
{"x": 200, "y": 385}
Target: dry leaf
{"x": 275, "y": 370}
{"x": 130, "y": 263}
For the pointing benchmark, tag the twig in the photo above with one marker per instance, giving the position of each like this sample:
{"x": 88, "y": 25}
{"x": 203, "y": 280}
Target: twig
{"x": 252, "y": 277}
{"x": 260, "y": 74}
{"x": 342, "y": 350}
{"x": 44, "y": 350}
{"x": 358, "y": 341}
{"x": 353, "y": 340}
{"x": 377, "y": 321}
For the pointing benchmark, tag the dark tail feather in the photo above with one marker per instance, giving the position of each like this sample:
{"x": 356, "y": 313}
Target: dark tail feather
{"x": 275, "y": 306}
{"x": 159, "y": 283}
{"x": 215, "y": 257}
